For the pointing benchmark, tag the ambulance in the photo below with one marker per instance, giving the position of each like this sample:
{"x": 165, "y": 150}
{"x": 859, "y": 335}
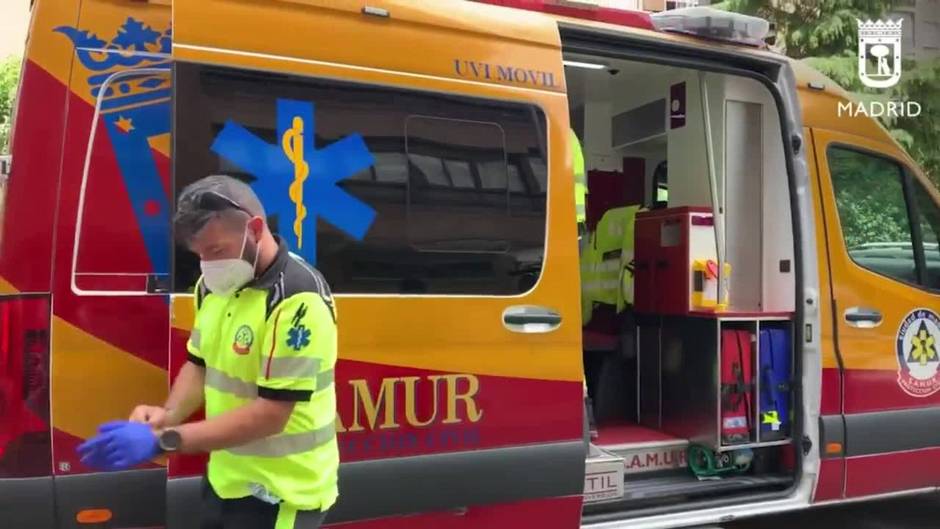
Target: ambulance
{"x": 748, "y": 323}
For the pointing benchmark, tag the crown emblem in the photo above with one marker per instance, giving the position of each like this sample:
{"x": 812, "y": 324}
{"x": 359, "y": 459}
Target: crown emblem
{"x": 136, "y": 45}
{"x": 879, "y": 29}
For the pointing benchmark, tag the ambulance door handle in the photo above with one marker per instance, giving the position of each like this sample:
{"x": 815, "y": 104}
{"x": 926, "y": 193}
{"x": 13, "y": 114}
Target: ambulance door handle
{"x": 530, "y": 319}
{"x": 863, "y": 318}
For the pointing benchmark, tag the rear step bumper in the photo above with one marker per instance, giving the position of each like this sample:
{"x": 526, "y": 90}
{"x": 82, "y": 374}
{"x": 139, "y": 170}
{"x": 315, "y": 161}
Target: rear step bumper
{"x": 651, "y": 457}
{"x": 645, "y": 492}
{"x": 639, "y": 476}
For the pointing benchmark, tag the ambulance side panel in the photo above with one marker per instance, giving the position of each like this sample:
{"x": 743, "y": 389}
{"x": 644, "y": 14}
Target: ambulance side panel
{"x": 26, "y": 261}
{"x": 455, "y": 408}
{"x": 881, "y": 394}
{"x": 109, "y": 318}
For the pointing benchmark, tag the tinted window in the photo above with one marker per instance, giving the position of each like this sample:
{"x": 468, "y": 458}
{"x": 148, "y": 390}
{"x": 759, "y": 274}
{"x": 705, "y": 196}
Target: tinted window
{"x": 457, "y": 185}
{"x": 873, "y": 213}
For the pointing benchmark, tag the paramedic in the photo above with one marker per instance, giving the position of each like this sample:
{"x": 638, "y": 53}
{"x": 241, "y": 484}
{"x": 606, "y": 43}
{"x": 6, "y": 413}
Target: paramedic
{"x": 580, "y": 183}
{"x": 261, "y": 358}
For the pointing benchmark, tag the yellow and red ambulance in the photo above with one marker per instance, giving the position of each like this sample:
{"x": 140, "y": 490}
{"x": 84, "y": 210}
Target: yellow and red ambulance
{"x": 434, "y": 191}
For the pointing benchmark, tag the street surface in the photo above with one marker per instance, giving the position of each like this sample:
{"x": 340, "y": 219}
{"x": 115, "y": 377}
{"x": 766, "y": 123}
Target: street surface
{"x": 916, "y": 512}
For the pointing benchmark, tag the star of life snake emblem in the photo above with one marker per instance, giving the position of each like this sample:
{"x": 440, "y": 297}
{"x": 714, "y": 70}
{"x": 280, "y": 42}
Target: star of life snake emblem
{"x": 918, "y": 353}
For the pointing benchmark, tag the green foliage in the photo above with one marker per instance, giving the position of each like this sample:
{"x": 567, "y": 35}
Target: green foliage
{"x": 812, "y": 28}
{"x": 920, "y": 135}
{"x": 869, "y": 197}
{"x": 9, "y": 80}
{"x": 824, "y": 33}
{"x": 919, "y": 83}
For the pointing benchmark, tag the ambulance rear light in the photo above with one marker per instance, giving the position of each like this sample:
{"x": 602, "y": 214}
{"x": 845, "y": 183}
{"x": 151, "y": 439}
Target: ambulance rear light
{"x": 582, "y": 10}
{"x": 24, "y": 386}
{"x": 710, "y": 23}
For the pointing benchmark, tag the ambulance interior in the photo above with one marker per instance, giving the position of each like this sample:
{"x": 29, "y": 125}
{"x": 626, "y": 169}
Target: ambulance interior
{"x": 690, "y": 392}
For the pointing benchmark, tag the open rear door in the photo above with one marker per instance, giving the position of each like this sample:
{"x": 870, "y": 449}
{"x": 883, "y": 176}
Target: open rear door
{"x": 404, "y": 149}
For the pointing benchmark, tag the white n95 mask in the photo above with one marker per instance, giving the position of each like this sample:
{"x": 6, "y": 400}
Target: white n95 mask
{"x": 225, "y": 276}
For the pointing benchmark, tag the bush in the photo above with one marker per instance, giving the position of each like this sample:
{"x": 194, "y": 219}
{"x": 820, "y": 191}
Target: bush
{"x": 9, "y": 80}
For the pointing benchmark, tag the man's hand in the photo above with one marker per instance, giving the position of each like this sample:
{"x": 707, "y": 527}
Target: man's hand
{"x": 155, "y": 416}
{"x": 119, "y": 445}
{"x": 185, "y": 398}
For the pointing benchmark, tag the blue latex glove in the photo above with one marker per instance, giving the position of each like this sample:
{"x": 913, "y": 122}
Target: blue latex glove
{"x": 120, "y": 445}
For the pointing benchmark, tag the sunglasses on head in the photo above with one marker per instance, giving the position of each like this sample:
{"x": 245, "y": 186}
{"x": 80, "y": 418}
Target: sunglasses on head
{"x": 213, "y": 201}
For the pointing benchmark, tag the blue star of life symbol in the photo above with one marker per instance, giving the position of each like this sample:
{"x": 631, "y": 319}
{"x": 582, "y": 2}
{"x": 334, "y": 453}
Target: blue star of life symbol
{"x": 297, "y": 181}
{"x": 298, "y": 337}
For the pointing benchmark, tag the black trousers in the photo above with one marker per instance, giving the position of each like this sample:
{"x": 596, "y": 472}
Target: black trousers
{"x": 252, "y": 513}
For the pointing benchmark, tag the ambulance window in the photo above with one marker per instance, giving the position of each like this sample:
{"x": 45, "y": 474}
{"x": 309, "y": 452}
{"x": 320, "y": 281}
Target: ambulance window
{"x": 516, "y": 182}
{"x": 122, "y": 237}
{"x": 928, "y": 213}
{"x": 873, "y": 213}
{"x": 493, "y": 174}
{"x": 390, "y": 167}
{"x": 540, "y": 172}
{"x": 661, "y": 185}
{"x": 460, "y": 172}
{"x": 432, "y": 169}
{"x": 480, "y": 146}
{"x": 439, "y": 198}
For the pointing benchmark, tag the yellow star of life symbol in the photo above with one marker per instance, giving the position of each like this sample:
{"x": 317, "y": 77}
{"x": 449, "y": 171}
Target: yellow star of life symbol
{"x": 923, "y": 347}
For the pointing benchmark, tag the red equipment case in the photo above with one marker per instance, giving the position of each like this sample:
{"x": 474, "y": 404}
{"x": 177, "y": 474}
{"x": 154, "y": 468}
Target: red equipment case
{"x": 666, "y": 242}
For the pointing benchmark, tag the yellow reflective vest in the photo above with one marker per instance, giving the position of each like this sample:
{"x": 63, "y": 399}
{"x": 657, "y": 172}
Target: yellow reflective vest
{"x": 606, "y": 263}
{"x": 580, "y": 178}
{"x": 274, "y": 338}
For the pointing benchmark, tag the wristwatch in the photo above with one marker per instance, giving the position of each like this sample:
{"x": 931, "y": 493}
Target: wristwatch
{"x": 170, "y": 440}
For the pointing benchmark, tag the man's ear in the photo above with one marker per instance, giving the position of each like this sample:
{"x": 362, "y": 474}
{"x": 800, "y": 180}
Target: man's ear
{"x": 256, "y": 225}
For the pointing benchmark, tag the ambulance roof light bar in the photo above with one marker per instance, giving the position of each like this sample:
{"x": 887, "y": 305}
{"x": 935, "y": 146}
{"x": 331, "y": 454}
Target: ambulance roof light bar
{"x": 710, "y": 23}
{"x": 582, "y": 10}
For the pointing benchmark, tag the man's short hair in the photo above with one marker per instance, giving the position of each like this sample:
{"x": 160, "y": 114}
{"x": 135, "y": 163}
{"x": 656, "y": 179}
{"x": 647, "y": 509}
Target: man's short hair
{"x": 215, "y": 196}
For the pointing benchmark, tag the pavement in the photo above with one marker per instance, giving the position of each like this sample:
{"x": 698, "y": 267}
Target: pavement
{"x": 913, "y": 512}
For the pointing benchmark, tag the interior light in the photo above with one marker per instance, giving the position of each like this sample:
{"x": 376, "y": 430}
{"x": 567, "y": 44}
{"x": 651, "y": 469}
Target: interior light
{"x": 588, "y": 65}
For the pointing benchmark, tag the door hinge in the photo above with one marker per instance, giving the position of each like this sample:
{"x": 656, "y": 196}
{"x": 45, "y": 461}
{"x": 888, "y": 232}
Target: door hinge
{"x": 807, "y": 445}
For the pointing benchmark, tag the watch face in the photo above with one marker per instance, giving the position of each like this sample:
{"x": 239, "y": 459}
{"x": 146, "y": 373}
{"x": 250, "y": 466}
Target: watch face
{"x": 170, "y": 440}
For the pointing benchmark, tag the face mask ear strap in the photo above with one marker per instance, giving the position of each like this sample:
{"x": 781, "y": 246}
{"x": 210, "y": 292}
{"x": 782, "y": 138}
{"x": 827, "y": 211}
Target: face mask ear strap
{"x": 254, "y": 263}
{"x": 241, "y": 253}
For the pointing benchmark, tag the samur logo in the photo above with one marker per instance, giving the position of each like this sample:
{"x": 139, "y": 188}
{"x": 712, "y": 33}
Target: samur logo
{"x": 918, "y": 352}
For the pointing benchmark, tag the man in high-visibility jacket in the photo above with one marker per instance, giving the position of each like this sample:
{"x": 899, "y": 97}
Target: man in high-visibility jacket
{"x": 607, "y": 261}
{"x": 580, "y": 182}
{"x": 261, "y": 358}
